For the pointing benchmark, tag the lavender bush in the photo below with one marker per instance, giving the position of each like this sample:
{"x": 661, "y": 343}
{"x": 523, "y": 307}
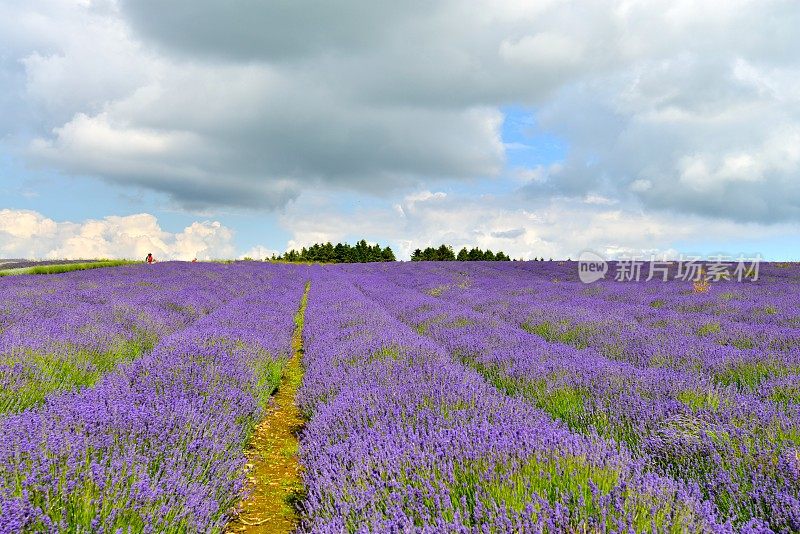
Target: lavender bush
{"x": 156, "y": 445}
{"x": 401, "y": 437}
{"x": 702, "y": 423}
{"x": 480, "y": 397}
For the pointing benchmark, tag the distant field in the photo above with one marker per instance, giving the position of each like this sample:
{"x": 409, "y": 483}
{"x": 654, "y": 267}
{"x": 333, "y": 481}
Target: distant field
{"x": 12, "y": 263}
{"x": 13, "y": 267}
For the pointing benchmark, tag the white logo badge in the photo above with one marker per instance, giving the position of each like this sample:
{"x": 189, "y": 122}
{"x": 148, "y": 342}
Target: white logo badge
{"x": 591, "y": 267}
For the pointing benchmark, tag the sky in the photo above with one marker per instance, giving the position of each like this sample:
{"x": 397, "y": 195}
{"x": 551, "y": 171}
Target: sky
{"x": 542, "y": 128}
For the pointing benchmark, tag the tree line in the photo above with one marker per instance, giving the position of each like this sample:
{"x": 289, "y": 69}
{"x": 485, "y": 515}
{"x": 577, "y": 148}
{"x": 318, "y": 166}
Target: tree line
{"x": 339, "y": 253}
{"x": 445, "y": 253}
{"x": 362, "y": 252}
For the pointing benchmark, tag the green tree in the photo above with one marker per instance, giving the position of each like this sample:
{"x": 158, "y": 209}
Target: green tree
{"x": 387, "y": 254}
{"x": 445, "y": 253}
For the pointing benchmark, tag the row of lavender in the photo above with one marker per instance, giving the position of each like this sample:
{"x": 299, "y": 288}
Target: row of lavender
{"x": 157, "y": 444}
{"x": 64, "y": 332}
{"x": 746, "y": 334}
{"x": 740, "y": 448}
{"x": 402, "y": 437}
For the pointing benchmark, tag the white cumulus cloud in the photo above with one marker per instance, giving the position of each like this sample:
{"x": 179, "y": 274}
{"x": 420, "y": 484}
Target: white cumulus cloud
{"x": 554, "y": 228}
{"x": 28, "y": 234}
{"x": 258, "y": 252}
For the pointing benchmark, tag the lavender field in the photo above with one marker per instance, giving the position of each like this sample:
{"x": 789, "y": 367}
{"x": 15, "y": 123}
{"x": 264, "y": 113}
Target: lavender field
{"x": 437, "y": 397}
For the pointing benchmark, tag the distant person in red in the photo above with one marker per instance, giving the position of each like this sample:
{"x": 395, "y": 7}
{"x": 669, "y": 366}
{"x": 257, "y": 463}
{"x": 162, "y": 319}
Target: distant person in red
{"x": 150, "y": 258}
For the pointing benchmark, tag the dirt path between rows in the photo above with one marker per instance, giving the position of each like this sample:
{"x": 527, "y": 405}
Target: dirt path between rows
{"x": 274, "y": 476}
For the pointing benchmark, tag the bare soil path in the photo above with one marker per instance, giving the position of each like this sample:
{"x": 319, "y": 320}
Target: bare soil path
{"x": 274, "y": 470}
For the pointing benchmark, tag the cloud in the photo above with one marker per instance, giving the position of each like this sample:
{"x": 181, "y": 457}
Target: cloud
{"x": 542, "y": 49}
{"x": 259, "y": 252}
{"x": 712, "y": 136}
{"x": 508, "y": 234}
{"x": 676, "y": 106}
{"x": 553, "y": 228}
{"x": 28, "y": 234}
{"x": 249, "y": 30}
{"x": 223, "y": 132}
{"x": 424, "y": 196}
{"x": 165, "y": 161}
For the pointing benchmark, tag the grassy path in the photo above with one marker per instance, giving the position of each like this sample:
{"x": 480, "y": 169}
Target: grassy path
{"x": 274, "y": 476}
{"x": 65, "y": 268}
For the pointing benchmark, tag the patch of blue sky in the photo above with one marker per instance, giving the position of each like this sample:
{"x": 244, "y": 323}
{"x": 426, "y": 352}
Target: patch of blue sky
{"x": 60, "y": 197}
{"x": 527, "y": 146}
{"x": 780, "y": 247}
{"x": 255, "y": 228}
{"x": 76, "y": 199}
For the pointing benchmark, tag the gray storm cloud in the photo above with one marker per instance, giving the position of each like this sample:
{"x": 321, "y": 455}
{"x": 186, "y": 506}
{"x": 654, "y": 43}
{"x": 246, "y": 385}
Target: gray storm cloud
{"x": 676, "y": 106}
{"x": 508, "y": 234}
{"x": 275, "y": 30}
